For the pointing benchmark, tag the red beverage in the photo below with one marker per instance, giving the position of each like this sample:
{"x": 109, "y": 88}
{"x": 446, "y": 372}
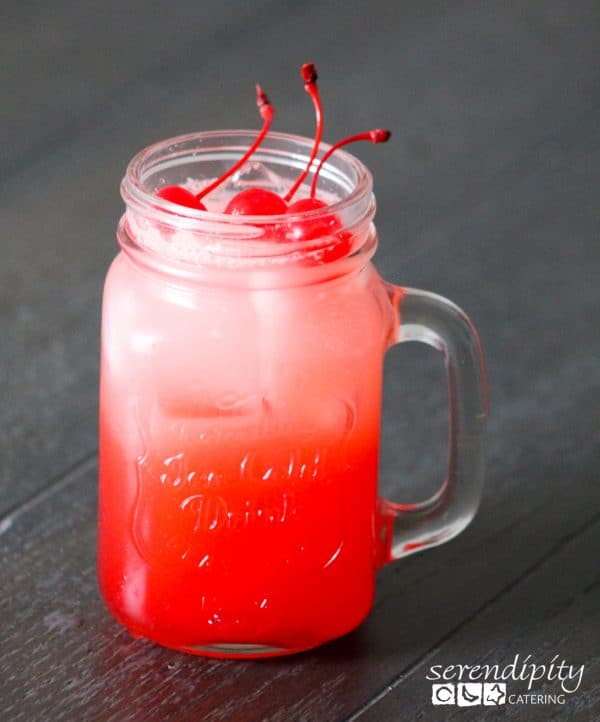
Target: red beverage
{"x": 240, "y": 405}
{"x": 238, "y": 536}
{"x": 238, "y": 456}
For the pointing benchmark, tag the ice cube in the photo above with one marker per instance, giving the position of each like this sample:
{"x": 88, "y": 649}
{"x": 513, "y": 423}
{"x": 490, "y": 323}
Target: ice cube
{"x": 254, "y": 175}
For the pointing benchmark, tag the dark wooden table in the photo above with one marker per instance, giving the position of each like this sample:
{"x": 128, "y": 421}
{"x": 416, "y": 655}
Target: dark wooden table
{"x": 488, "y": 194}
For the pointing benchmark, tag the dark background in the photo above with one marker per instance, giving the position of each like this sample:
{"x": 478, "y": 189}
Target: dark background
{"x": 487, "y": 193}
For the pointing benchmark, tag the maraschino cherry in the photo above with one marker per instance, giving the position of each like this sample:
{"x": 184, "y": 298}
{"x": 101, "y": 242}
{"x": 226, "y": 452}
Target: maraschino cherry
{"x": 252, "y": 201}
{"x": 256, "y": 201}
{"x": 305, "y": 230}
{"x": 183, "y": 197}
{"x": 264, "y": 202}
{"x": 329, "y": 224}
{"x": 180, "y": 196}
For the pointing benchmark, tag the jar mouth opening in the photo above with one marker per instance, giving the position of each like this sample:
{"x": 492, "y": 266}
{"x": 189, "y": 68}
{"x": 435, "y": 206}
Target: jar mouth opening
{"x": 347, "y": 179}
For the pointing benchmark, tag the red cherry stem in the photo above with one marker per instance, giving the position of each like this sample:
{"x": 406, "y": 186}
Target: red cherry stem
{"x": 379, "y": 135}
{"x": 309, "y": 75}
{"x": 267, "y": 113}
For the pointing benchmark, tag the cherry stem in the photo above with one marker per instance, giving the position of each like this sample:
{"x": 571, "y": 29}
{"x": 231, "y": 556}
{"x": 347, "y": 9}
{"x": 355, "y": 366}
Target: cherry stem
{"x": 267, "y": 112}
{"x": 309, "y": 75}
{"x": 379, "y": 135}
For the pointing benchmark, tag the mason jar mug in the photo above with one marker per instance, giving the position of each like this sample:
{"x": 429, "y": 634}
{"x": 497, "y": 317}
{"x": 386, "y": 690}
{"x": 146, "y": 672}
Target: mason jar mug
{"x": 241, "y": 384}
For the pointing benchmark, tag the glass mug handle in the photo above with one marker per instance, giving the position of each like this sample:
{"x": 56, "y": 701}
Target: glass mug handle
{"x": 431, "y": 319}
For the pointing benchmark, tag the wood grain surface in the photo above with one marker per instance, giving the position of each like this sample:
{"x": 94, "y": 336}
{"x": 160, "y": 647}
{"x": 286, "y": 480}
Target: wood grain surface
{"x": 487, "y": 193}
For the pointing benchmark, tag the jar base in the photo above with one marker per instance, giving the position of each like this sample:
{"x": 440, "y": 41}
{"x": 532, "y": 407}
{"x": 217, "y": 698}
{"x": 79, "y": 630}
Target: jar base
{"x": 229, "y": 650}
{"x": 241, "y": 651}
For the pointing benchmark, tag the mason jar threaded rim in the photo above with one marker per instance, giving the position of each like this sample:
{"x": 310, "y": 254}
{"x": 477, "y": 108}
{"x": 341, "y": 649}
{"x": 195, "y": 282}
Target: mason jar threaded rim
{"x": 209, "y": 245}
{"x": 344, "y": 168}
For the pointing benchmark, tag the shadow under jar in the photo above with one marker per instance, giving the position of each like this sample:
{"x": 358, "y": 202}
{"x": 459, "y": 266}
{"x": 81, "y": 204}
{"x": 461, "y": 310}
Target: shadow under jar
{"x": 240, "y": 409}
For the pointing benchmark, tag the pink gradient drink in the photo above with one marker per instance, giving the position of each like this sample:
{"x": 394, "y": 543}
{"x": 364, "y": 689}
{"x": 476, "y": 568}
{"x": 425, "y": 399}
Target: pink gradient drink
{"x": 240, "y": 413}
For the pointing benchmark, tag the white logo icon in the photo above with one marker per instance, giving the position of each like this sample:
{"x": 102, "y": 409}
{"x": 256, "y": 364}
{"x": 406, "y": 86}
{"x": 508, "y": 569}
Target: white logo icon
{"x": 494, "y": 693}
{"x": 443, "y": 694}
{"x": 469, "y": 694}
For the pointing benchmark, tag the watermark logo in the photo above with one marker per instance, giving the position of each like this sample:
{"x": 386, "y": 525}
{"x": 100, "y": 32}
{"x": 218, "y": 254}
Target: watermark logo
{"x": 494, "y": 694}
{"x": 468, "y": 685}
{"x": 443, "y": 694}
{"x": 469, "y": 694}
